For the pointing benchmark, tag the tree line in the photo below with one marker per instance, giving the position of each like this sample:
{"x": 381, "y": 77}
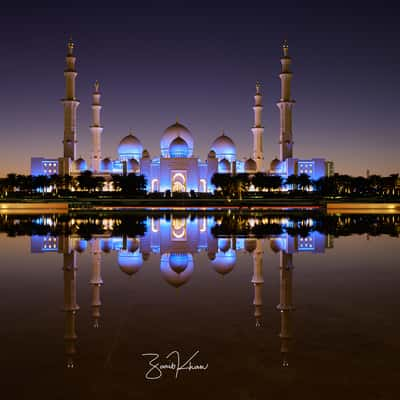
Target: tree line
{"x": 65, "y": 184}
{"x": 227, "y": 185}
{"x": 237, "y": 186}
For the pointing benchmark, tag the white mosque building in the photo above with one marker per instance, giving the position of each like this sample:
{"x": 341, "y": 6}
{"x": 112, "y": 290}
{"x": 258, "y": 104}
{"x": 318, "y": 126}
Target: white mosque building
{"x": 177, "y": 168}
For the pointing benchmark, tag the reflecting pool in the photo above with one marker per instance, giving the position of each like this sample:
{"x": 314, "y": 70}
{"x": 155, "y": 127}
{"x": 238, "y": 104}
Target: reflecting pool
{"x": 200, "y": 305}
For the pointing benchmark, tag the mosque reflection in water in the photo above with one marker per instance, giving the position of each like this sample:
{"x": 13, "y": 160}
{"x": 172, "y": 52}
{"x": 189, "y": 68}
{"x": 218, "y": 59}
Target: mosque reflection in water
{"x": 176, "y": 240}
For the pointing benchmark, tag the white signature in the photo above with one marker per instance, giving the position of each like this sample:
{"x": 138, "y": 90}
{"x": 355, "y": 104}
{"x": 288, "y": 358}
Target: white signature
{"x": 156, "y": 368}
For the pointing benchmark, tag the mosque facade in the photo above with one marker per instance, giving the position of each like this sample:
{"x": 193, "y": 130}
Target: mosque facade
{"x": 177, "y": 167}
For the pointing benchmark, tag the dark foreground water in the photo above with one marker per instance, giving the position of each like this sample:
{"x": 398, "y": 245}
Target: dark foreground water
{"x": 268, "y": 306}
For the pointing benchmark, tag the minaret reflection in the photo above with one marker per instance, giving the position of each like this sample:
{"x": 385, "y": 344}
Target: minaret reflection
{"x": 96, "y": 281}
{"x": 285, "y": 305}
{"x": 258, "y": 280}
{"x": 70, "y": 304}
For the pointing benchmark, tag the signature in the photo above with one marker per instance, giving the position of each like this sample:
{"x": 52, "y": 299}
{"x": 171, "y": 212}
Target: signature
{"x": 174, "y": 363}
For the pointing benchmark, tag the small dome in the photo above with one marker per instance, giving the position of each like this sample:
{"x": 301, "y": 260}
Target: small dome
{"x": 132, "y": 245}
{"x": 80, "y": 245}
{"x": 130, "y": 147}
{"x": 224, "y": 244}
{"x": 212, "y": 154}
{"x": 250, "y": 165}
{"x": 129, "y": 262}
{"x": 106, "y": 245}
{"x": 171, "y": 133}
{"x": 80, "y": 165}
{"x": 224, "y": 147}
{"x": 133, "y": 165}
{"x": 277, "y": 244}
{"x": 224, "y": 166}
{"x": 178, "y": 148}
{"x": 274, "y": 164}
{"x": 176, "y": 268}
{"x": 106, "y": 164}
{"x": 224, "y": 262}
{"x": 178, "y": 262}
{"x": 250, "y": 245}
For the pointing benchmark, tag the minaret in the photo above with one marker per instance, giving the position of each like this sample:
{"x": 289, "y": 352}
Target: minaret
{"x": 70, "y": 105}
{"x": 96, "y": 129}
{"x": 285, "y": 306}
{"x": 285, "y": 105}
{"x": 96, "y": 281}
{"x": 258, "y": 130}
{"x": 258, "y": 281}
{"x": 70, "y": 305}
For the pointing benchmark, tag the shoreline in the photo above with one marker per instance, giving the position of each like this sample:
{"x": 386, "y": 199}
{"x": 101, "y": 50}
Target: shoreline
{"x": 62, "y": 206}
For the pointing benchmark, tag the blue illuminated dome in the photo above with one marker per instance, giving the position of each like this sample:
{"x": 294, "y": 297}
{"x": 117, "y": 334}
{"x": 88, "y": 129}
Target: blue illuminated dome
{"x": 224, "y": 147}
{"x": 224, "y": 244}
{"x": 250, "y": 245}
{"x": 105, "y": 245}
{"x": 130, "y": 262}
{"x": 80, "y": 165}
{"x": 250, "y": 166}
{"x": 178, "y": 262}
{"x": 106, "y": 164}
{"x": 176, "y": 268}
{"x": 80, "y": 245}
{"x": 133, "y": 165}
{"x": 171, "y": 133}
{"x": 275, "y": 164}
{"x": 130, "y": 147}
{"x": 224, "y": 166}
{"x": 224, "y": 262}
{"x": 178, "y": 148}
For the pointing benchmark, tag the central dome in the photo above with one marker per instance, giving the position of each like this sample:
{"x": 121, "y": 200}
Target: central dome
{"x": 178, "y": 148}
{"x": 130, "y": 147}
{"x": 173, "y": 132}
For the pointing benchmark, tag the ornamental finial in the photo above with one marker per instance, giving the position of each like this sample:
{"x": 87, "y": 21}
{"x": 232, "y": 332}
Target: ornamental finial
{"x": 70, "y": 46}
{"x": 285, "y": 47}
{"x": 258, "y": 87}
{"x": 96, "y": 86}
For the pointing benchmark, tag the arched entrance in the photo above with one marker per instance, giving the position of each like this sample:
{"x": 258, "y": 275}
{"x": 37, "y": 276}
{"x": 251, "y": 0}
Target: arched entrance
{"x": 178, "y": 181}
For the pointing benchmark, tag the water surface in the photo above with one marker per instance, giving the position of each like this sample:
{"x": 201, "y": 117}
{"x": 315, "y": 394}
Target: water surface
{"x": 277, "y": 305}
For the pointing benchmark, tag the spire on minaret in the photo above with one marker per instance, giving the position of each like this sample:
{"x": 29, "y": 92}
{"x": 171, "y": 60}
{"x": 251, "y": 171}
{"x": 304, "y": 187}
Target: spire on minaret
{"x": 258, "y": 130}
{"x": 285, "y": 105}
{"x": 285, "y": 48}
{"x": 96, "y": 128}
{"x": 71, "y": 104}
{"x": 70, "y": 47}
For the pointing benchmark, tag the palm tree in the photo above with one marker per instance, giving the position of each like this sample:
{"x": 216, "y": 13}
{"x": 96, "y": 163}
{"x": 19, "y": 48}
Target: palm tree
{"x": 11, "y": 182}
{"x": 258, "y": 180}
{"x": 130, "y": 184}
{"x": 88, "y": 182}
{"x": 222, "y": 182}
{"x": 292, "y": 181}
{"x": 41, "y": 182}
{"x": 303, "y": 182}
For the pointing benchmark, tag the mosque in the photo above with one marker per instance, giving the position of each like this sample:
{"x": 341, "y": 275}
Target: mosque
{"x": 177, "y": 168}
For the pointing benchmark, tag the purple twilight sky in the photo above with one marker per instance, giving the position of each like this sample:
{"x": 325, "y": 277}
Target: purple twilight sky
{"x": 156, "y": 63}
